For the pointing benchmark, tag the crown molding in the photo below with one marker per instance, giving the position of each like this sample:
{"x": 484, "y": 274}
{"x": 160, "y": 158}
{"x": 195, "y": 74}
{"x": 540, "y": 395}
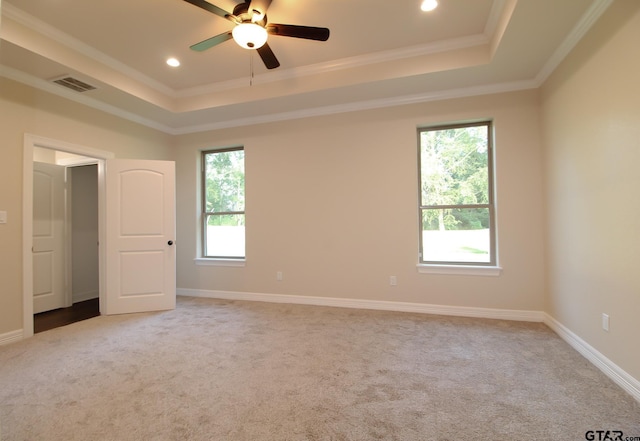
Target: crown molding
{"x": 72, "y": 43}
{"x": 362, "y": 105}
{"x": 76, "y": 45}
{"x": 46, "y": 86}
{"x": 597, "y": 8}
{"x": 342, "y": 64}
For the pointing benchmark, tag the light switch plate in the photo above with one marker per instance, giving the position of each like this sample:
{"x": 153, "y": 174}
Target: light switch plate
{"x": 3, "y": 217}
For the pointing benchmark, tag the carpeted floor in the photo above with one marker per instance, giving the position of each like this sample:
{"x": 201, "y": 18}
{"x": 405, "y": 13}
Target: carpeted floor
{"x": 222, "y": 370}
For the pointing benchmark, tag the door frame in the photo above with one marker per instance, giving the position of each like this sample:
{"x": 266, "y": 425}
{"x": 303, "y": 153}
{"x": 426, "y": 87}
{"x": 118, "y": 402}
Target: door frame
{"x": 31, "y": 141}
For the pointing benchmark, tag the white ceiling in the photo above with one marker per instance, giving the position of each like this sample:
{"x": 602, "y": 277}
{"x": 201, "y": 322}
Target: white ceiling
{"x": 380, "y": 53}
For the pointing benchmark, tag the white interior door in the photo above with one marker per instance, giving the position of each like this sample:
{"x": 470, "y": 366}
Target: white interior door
{"x": 140, "y": 235}
{"x": 48, "y": 237}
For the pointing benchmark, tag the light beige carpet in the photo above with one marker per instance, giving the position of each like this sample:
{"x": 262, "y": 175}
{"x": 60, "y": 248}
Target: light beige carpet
{"x": 221, "y": 370}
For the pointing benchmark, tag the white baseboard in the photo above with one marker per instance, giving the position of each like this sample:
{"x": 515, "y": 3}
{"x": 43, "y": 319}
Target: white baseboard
{"x": 613, "y": 371}
{"x": 609, "y": 368}
{"x": 461, "y": 311}
{"x": 11, "y": 337}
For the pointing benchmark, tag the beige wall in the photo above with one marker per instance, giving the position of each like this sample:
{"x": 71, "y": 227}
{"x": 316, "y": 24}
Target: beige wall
{"x": 25, "y": 110}
{"x": 591, "y": 108}
{"x": 332, "y": 203}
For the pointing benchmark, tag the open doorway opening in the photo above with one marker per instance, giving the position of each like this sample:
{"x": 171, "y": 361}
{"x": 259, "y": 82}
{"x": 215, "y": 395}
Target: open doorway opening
{"x": 65, "y": 155}
{"x": 65, "y": 238}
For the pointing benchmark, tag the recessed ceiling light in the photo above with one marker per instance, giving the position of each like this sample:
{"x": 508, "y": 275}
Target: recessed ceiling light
{"x": 173, "y": 62}
{"x": 429, "y": 5}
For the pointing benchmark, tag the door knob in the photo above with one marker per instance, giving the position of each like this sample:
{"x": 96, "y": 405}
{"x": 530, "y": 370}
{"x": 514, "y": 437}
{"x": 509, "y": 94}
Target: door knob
{"x": 170, "y": 242}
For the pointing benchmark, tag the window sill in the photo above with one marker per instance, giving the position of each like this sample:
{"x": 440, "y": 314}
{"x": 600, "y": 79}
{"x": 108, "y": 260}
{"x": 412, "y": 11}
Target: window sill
{"x": 208, "y": 261}
{"x": 460, "y": 270}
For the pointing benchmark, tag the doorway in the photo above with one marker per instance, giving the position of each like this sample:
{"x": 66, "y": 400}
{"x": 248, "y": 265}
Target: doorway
{"x": 136, "y": 217}
{"x": 72, "y": 157}
{"x": 75, "y": 273}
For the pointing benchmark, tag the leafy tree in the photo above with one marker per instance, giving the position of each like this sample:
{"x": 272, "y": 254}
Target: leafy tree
{"x": 454, "y": 167}
{"x": 224, "y": 178}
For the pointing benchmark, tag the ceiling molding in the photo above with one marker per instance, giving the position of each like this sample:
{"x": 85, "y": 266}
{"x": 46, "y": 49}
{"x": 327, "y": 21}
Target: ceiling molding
{"x": 387, "y": 56}
{"x": 496, "y": 16}
{"x": 46, "y": 86}
{"x": 76, "y": 45}
{"x": 343, "y": 64}
{"x": 362, "y": 105}
{"x": 494, "y": 29}
{"x": 498, "y": 21}
{"x": 72, "y": 43}
{"x": 597, "y": 8}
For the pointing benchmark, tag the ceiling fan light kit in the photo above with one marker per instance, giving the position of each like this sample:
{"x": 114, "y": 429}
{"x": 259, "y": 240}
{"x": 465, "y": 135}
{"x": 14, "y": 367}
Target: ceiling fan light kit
{"x": 429, "y": 5}
{"x": 251, "y": 30}
{"x": 249, "y": 35}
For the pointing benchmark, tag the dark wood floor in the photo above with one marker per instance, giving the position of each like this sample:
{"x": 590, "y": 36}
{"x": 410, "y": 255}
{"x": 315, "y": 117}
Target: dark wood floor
{"x": 65, "y": 316}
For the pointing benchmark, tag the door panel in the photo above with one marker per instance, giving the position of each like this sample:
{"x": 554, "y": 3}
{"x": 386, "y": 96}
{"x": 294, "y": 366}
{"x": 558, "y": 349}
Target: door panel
{"x": 140, "y": 213}
{"x": 48, "y": 237}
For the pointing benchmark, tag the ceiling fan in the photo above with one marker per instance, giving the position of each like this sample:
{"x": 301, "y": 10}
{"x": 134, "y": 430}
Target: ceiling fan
{"x": 251, "y": 30}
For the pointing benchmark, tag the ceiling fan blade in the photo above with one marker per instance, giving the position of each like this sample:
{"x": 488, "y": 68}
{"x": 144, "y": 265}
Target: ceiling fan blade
{"x": 213, "y": 9}
{"x": 260, "y": 7}
{"x": 268, "y": 57}
{"x": 307, "y": 32}
{"x": 213, "y": 41}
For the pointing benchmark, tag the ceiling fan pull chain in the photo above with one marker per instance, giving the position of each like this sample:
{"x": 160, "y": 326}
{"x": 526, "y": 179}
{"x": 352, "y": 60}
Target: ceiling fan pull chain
{"x": 250, "y": 68}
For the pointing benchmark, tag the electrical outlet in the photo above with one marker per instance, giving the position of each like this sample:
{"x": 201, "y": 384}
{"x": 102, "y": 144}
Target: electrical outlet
{"x": 605, "y": 322}
{"x": 393, "y": 281}
{"x": 279, "y": 276}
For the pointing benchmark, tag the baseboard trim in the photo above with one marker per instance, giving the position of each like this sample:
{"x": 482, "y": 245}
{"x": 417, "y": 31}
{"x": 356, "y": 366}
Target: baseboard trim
{"x": 609, "y": 368}
{"x": 11, "y": 337}
{"x": 460, "y": 311}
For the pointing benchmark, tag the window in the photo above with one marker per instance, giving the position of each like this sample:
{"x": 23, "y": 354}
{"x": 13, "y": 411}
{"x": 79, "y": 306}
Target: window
{"x": 457, "y": 224}
{"x": 223, "y": 203}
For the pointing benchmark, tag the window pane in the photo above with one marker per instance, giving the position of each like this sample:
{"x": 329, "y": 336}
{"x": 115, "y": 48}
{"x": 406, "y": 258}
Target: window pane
{"x": 224, "y": 180}
{"x": 224, "y": 236}
{"x": 454, "y": 166}
{"x": 456, "y": 235}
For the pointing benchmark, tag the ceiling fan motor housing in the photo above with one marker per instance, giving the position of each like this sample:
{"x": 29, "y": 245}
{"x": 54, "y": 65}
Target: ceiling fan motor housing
{"x": 241, "y": 10}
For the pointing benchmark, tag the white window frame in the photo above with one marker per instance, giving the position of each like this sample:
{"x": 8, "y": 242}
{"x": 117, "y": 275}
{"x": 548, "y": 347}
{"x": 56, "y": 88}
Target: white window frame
{"x": 203, "y": 259}
{"x": 490, "y": 268}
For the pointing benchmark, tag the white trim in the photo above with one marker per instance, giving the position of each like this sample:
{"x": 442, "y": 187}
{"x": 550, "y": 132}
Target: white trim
{"x": 459, "y": 270}
{"x": 584, "y": 24}
{"x": 31, "y": 141}
{"x": 422, "y": 308}
{"x": 597, "y": 8}
{"x": 76, "y": 161}
{"x": 608, "y": 367}
{"x": 355, "y": 106}
{"x": 72, "y": 43}
{"x": 66, "y": 40}
{"x": 38, "y": 83}
{"x": 11, "y": 337}
{"x": 54, "y": 144}
{"x": 27, "y": 236}
{"x": 208, "y": 261}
